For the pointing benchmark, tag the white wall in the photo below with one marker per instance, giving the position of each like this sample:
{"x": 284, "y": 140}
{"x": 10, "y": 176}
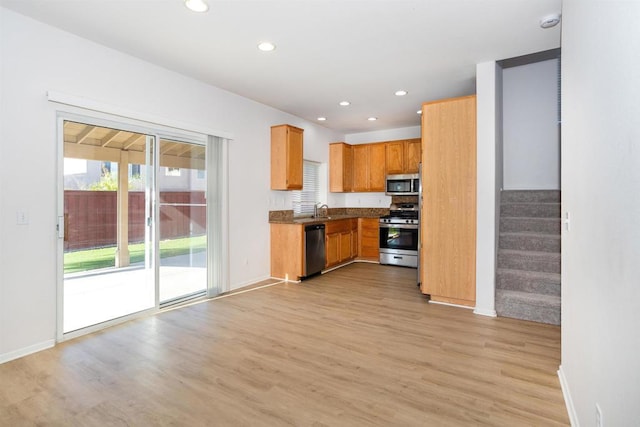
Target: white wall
{"x": 601, "y": 190}
{"x": 531, "y": 138}
{"x": 376, "y": 200}
{"x": 37, "y": 58}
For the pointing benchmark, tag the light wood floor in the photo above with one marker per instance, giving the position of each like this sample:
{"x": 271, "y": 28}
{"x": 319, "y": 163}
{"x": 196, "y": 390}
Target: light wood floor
{"x": 357, "y": 346}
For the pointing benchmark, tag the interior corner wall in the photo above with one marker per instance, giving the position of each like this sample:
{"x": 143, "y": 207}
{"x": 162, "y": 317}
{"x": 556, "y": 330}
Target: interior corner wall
{"x": 600, "y": 191}
{"x": 37, "y": 58}
{"x": 530, "y": 121}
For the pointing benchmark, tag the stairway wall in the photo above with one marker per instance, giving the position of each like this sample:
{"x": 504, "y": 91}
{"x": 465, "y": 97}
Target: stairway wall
{"x": 528, "y": 270}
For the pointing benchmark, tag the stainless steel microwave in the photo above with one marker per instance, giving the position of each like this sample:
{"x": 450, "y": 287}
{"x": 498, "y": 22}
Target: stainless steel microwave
{"x": 403, "y": 185}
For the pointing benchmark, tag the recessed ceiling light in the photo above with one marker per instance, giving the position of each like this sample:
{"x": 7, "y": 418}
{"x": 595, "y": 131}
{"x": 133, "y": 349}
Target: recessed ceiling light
{"x": 550, "y": 21}
{"x": 372, "y": 119}
{"x": 419, "y": 111}
{"x": 322, "y": 119}
{"x": 266, "y": 46}
{"x": 196, "y": 5}
{"x": 401, "y": 92}
{"x": 345, "y": 103}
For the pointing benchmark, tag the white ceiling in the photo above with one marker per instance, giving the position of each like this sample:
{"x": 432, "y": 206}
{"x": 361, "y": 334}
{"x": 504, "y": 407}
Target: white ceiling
{"x": 327, "y": 51}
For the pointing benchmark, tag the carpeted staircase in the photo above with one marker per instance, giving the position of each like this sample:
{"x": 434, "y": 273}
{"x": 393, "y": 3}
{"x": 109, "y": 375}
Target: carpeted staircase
{"x": 528, "y": 274}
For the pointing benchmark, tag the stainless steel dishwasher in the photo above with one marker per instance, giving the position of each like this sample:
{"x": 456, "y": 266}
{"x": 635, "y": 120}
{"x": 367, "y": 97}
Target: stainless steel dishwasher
{"x": 314, "y": 249}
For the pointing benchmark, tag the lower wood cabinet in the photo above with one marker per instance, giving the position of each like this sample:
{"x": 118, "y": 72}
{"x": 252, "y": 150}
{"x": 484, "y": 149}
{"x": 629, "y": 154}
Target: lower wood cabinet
{"x": 287, "y": 251}
{"x": 341, "y": 241}
{"x": 345, "y": 240}
{"x": 369, "y": 239}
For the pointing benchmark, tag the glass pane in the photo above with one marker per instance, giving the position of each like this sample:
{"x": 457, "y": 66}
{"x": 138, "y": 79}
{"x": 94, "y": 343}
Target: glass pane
{"x": 182, "y": 184}
{"x": 104, "y": 213}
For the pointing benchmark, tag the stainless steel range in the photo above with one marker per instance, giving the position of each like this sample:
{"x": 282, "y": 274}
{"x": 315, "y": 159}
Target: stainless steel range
{"x": 399, "y": 235}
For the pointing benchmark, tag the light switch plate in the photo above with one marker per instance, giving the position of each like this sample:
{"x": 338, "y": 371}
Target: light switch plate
{"x": 22, "y": 217}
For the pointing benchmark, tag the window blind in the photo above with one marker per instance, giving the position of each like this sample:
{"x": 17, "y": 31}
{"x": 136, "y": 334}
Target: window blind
{"x": 305, "y": 199}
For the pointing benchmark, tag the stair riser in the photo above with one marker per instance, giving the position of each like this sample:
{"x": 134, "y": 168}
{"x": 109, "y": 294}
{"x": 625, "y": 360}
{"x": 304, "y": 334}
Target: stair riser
{"x": 514, "y": 225}
{"x": 551, "y": 210}
{"x": 530, "y": 196}
{"x": 530, "y": 243}
{"x": 529, "y": 263}
{"x": 513, "y": 282}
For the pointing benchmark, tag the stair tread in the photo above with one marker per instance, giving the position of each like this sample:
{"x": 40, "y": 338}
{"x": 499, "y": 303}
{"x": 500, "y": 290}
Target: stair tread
{"x": 555, "y": 277}
{"x": 529, "y": 298}
{"x": 538, "y": 218}
{"x": 539, "y": 254}
{"x": 530, "y": 234}
{"x": 529, "y": 203}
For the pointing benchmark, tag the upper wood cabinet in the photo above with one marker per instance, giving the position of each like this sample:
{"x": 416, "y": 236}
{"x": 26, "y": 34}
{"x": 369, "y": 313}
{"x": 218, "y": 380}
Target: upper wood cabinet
{"x": 403, "y": 156}
{"x": 340, "y": 167}
{"x": 413, "y": 155}
{"x": 448, "y": 212}
{"x": 369, "y": 171}
{"x": 286, "y": 157}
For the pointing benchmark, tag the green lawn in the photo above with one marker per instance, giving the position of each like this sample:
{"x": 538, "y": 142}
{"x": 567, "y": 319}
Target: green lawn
{"x": 105, "y": 257}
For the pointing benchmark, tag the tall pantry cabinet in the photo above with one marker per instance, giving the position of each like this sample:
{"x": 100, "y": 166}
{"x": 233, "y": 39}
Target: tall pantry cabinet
{"x": 448, "y": 212}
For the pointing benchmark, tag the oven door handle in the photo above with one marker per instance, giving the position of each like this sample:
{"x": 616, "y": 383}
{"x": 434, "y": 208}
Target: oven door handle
{"x": 404, "y": 226}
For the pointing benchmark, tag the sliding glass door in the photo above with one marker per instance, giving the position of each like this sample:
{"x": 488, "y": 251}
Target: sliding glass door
{"x": 182, "y": 220}
{"x": 133, "y": 223}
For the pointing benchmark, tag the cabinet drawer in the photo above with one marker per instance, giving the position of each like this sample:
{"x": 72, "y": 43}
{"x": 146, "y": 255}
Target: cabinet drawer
{"x": 341, "y": 226}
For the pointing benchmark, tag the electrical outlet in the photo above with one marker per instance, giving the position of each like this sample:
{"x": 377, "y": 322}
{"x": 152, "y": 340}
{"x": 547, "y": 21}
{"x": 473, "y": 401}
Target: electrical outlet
{"x": 598, "y": 416}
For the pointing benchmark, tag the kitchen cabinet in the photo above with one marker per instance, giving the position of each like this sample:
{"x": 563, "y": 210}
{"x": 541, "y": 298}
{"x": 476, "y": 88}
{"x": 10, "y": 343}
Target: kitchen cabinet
{"x": 448, "y": 212}
{"x": 404, "y": 156}
{"x": 413, "y": 155}
{"x": 287, "y": 251}
{"x": 369, "y": 171}
{"x": 369, "y": 239}
{"x": 339, "y": 241}
{"x": 340, "y": 167}
{"x": 286, "y": 157}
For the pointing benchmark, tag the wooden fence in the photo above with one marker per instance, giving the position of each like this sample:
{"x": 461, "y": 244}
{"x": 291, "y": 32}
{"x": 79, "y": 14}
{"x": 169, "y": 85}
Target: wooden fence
{"x": 91, "y": 217}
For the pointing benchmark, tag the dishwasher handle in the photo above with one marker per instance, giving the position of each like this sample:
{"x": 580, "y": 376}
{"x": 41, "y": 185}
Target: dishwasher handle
{"x": 314, "y": 227}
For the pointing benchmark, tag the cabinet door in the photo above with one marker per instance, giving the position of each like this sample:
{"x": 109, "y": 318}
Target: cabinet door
{"x": 413, "y": 155}
{"x": 369, "y": 238}
{"x": 286, "y": 157}
{"x": 395, "y": 157}
{"x": 354, "y": 243}
{"x": 345, "y": 245}
{"x": 294, "y": 159}
{"x": 361, "y": 167}
{"x": 332, "y": 249}
{"x": 377, "y": 168}
{"x": 340, "y": 167}
{"x": 347, "y": 168}
{"x": 448, "y": 217}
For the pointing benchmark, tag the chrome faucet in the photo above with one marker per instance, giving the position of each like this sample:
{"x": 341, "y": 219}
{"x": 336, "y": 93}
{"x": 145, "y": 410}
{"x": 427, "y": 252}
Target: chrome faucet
{"x": 315, "y": 210}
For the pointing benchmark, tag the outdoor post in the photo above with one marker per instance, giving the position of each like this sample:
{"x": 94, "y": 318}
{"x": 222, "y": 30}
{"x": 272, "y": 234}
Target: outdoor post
{"x": 122, "y": 251}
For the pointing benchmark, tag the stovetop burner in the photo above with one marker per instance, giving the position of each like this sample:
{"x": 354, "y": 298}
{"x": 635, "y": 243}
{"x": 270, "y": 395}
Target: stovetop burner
{"x": 406, "y": 213}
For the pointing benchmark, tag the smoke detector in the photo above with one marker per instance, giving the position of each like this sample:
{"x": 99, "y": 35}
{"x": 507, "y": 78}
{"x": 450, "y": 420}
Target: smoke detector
{"x": 550, "y": 21}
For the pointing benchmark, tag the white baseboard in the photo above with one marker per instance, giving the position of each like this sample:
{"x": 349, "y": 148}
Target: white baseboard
{"x": 450, "y": 304}
{"x": 485, "y": 312}
{"x": 573, "y": 416}
{"x": 235, "y": 286}
{"x": 25, "y": 351}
